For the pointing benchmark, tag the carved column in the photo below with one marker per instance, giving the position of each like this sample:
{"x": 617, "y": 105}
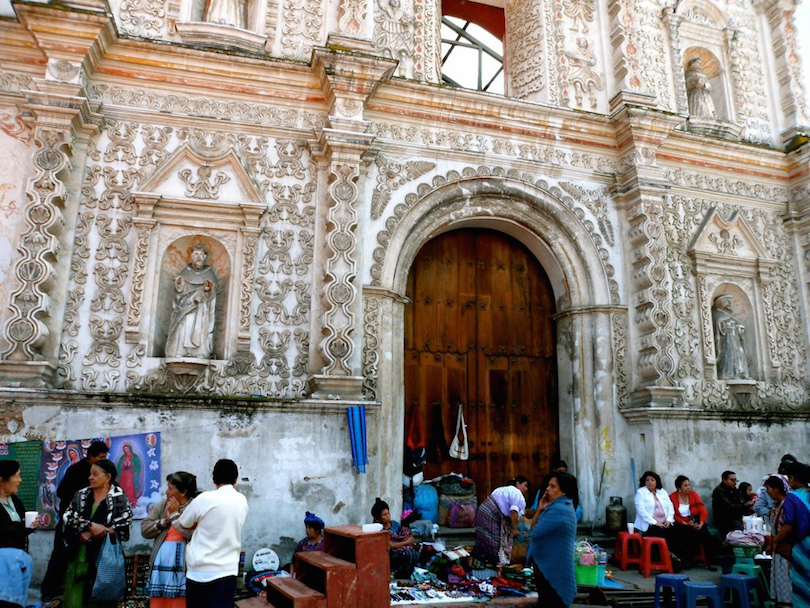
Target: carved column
{"x": 62, "y": 119}
{"x": 640, "y": 191}
{"x": 792, "y": 94}
{"x": 348, "y": 80}
{"x": 673, "y": 22}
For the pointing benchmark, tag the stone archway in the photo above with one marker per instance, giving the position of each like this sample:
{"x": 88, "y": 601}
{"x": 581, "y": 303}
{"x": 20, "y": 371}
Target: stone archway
{"x": 545, "y": 221}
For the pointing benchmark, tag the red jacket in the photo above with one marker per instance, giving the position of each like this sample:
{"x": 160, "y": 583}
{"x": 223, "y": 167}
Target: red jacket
{"x": 696, "y": 507}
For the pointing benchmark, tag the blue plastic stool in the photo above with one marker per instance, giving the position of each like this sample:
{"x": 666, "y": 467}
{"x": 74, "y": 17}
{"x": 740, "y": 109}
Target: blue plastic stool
{"x": 743, "y": 585}
{"x": 693, "y": 590}
{"x": 670, "y": 581}
{"x": 757, "y": 573}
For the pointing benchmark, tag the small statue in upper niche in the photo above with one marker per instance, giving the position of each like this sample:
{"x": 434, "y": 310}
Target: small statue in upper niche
{"x": 699, "y": 90}
{"x": 191, "y": 329}
{"x": 226, "y": 12}
{"x": 582, "y": 75}
{"x": 729, "y": 340}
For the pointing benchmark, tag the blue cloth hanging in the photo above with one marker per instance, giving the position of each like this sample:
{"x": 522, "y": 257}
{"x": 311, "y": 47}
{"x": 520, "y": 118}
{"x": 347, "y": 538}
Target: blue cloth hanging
{"x": 357, "y": 436}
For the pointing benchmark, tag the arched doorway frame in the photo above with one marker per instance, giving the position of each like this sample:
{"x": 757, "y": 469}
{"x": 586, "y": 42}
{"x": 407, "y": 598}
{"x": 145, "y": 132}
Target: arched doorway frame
{"x": 536, "y": 215}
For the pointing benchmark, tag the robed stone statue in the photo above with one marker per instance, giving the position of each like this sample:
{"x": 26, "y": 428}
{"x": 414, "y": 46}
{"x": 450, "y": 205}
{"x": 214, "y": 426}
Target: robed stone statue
{"x": 699, "y": 90}
{"x": 729, "y": 340}
{"x": 191, "y": 329}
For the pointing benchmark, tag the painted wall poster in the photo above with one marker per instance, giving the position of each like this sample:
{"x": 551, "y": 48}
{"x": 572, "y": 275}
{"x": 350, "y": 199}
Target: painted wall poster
{"x": 28, "y": 454}
{"x": 137, "y": 458}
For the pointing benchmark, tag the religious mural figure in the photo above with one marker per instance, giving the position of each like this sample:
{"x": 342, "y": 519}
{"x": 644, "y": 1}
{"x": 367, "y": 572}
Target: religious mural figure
{"x": 393, "y": 29}
{"x": 226, "y": 12}
{"x": 191, "y": 329}
{"x": 699, "y": 90}
{"x": 729, "y": 340}
{"x": 582, "y": 75}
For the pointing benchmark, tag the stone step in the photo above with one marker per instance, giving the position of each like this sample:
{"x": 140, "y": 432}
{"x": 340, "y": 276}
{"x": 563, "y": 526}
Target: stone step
{"x": 288, "y": 592}
{"x": 334, "y": 577}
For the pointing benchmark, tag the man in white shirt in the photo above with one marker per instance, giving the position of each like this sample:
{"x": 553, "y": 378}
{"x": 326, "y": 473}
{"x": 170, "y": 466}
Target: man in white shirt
{"x": 212, "y": 555}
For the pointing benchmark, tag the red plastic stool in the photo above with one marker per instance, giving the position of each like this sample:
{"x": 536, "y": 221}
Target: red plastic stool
{"x": 700, "y": 556}
{"x": 627, "y": 550}
{"x": 647, "y": 564}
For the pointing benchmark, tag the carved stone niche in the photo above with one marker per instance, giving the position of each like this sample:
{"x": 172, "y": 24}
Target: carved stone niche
{"x": 700, "y": 35}
{"x": 197, "y": 26}
{"x": 194, "y": 199}
{"x": 730, "y": 261}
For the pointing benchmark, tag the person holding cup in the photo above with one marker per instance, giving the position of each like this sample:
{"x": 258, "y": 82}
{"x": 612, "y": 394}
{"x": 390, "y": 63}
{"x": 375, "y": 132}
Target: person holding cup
{"x": 15, "y": 563}
{"x": 13, "y": 529}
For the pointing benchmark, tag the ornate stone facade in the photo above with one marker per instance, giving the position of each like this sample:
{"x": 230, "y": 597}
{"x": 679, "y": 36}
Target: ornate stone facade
{"x": 313, "y": 152}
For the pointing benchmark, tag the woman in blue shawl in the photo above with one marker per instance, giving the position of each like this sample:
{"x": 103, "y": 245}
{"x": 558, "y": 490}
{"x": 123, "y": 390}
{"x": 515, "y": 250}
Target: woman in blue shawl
{"x": 796, "y": 527}
{"x": 551, "y": 547}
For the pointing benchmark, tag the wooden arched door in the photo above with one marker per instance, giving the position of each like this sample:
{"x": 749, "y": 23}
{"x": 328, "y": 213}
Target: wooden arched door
{"x": 479, "y": 332}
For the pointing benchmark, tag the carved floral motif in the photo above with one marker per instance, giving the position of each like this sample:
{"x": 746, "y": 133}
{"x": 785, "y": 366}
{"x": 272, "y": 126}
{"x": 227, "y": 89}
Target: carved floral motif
{"x": 144, "y": 18}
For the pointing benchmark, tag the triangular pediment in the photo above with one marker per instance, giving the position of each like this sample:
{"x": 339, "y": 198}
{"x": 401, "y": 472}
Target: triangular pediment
{"x": 718, "y": 237}
{"x": 187, "y": 174}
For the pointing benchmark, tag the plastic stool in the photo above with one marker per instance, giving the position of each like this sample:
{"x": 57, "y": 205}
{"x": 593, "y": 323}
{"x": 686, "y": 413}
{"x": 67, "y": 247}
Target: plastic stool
{"x": 627, "y": 550}
{"x": 670, "y": 581}
{"x": 693, "y": 590}
{"x": 743, "y": 585}
{"x": 756, "y": 572}
{"x": 647, "y": 563}
{"x": 700, "y": 556}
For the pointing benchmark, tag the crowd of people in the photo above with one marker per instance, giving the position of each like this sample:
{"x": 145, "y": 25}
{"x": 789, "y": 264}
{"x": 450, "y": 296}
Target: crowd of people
{"x": 197, "y": 535}
{"x": 197, "y": 538}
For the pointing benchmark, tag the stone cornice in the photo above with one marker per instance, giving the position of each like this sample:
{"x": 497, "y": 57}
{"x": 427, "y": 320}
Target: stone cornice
{"x": 642, "y": 415}
{"x": 75, "y": 399}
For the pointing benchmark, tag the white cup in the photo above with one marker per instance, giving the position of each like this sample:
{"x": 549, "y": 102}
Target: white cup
{"x": 30, "y": 516}
{"x": 631, "y": 528}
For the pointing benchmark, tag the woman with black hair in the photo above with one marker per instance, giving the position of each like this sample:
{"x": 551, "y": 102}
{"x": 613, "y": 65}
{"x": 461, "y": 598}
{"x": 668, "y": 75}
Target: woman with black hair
{"x": 496, "y": 522}
{"x": 554, "y": 525}
{"x": 400, "y": 541}
{"x": 15, "y": 563}
{"x": 655, "y": 515}
{"x": 167, "y": 580}
{"x": 781, "y": 587}
{"x": 100, "y": 509}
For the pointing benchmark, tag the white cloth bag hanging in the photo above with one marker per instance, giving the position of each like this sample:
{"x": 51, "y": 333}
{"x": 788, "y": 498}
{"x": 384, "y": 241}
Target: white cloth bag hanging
{"x": 460, "y": 449}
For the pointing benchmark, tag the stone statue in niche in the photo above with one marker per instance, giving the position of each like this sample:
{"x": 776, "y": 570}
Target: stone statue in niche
{"x": 582, "y": 75}
{"x": 226, "y": 12}
{"x": 191, "y": 329}
{"x": 729, "y": 340}
{"x": 699, "y": 90}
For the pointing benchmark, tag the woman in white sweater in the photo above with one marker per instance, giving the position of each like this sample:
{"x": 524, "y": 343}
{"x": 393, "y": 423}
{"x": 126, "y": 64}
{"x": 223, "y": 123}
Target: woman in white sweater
{"x": 655, "y": 515}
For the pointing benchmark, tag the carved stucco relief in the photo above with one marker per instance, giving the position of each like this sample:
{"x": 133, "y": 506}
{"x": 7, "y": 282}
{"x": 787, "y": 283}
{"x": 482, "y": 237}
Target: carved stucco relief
{"x": 25, "y": 330}
{"x": 464, "y": 141}
{"x": 144, "y": 18}
{"x": 372, "y": 312}
{"x": 302, "y": 23}
{"x": 427, "y": 27}
{"x": 639, "y": 33}
{"x": 749, "y": 86}
{"x": 272, "y": 319}
{"x": 233, "y": 111}
{"x": 587, "y": 205}
{"x": 392, "y": 175}
{"x": 524, "y": 36}
{"x": 681, "y": 218}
